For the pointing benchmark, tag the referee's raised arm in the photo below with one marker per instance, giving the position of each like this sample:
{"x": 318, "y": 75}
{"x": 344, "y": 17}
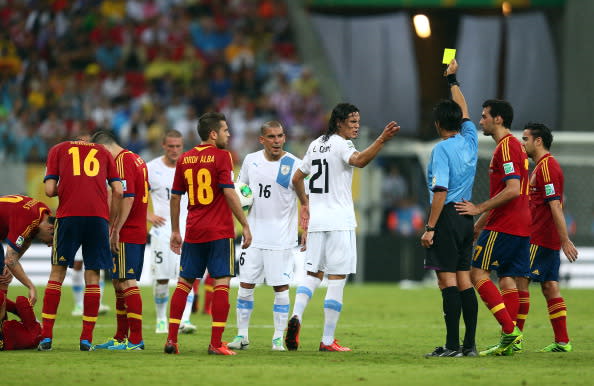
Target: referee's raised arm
{"x": 457, "y": 95}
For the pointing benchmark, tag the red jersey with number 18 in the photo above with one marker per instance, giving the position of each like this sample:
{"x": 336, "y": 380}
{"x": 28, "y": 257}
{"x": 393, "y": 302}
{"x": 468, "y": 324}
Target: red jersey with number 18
{"x": 19, "y": 218}
{"x": 82, "y": 170}
{"x": 509, "y": 161}
{"x": 546, "y": 184}
{"x": 134, "y": 175}
{"x": 203, "y": 172}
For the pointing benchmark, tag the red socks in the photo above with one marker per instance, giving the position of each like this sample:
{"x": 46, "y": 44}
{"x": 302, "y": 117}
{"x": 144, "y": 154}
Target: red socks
{"x": 121, "y": 317}
{"x": 176, "y": 308}
{"x": 208, "y": 293}
{"x": 512, "y": 302}
{"x": 134, "y": 314}
{"x": 51, "y": 300}
{"x": 494, "y": 302}
{"x": 90, "y": 311}
{"x": 558, "y": 317}
{"x": 524, "y": 298}
{"x": 220, "y": 311}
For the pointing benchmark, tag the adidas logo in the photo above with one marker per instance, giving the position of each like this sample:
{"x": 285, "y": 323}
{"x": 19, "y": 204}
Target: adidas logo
{"x": 62, "y": 258}
{"x": 535, "y": 272}
{"x": 131, "y": 270}
{"x": 495, "y": 263}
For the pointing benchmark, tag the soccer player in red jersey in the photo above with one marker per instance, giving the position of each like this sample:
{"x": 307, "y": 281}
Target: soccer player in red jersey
{"x": 128, "y": 240}
{"x": 21, "y": 219}
{"x": 78, "y": 173}
{"x": 205, "y": 173}
{"x": 505, "y": 224}
{"x": 15, "y": 334}
{"x": 549, "y": 231}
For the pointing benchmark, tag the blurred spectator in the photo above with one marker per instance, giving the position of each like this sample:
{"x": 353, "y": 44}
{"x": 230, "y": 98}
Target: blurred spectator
{"x": 407, "y": 219}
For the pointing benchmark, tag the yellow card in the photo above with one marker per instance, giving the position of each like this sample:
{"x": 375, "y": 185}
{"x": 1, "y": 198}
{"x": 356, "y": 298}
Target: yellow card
{"x": 448, "y": 55}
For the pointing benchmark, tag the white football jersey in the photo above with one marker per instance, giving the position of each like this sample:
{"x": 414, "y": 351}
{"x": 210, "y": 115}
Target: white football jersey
{"x": 273, "y": 216}
{"x": 330, "y": 184}
{"x": 160, "y": 178}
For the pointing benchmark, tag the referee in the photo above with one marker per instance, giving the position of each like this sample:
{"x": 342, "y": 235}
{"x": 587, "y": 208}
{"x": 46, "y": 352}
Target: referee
{"x": 448, "y": 236}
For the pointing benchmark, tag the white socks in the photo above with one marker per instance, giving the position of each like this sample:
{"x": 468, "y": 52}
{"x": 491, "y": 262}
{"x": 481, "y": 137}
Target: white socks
{"x": 304, "y": 293}
{"x": 78, "y": 287}
{"x": 188, "y": 308}
{"x": 332, "y": 308}
{"x": 280, "y": 312}
{"x": 245, "y": 306}
{"x": 161, "y": 292}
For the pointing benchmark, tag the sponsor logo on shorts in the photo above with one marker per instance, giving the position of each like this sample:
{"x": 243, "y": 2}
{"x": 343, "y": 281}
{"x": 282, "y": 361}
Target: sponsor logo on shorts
{"x": 131, "y": 271}
{"x": 62, "y": 258}
{"x": 535, "y": 272}
{"x": 495, "y": 263}
{"x": 508, "y": 167}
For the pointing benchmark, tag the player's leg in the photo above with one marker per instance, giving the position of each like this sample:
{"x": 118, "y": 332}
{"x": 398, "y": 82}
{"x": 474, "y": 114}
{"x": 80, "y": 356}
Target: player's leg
{"x": 195, "y": 290}
{"x": 161, "y": 274}
{"x": 208, "y": 293}
{"x": 314, "y": 264}
{"x": 186, "y": 326}
{"x": 161, "y": 296}
{"x": 251, "y": 271}
{"x": 78, "y": 283}
{"x": 103, "y": 308}
{"x": 452, "y": 309}
{"x": 523, "y": 284}
{"x": 278, "y": 266}
{"x": 469, "y": 312}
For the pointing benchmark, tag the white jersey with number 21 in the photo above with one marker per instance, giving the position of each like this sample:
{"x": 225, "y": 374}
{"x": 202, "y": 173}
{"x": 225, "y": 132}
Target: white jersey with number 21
{"x": 330, "y": 184}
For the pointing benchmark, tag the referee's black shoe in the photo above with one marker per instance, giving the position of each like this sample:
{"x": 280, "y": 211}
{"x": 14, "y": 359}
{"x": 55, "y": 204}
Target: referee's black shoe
{"x": 444, "y": 352}
{"x": 470, "y": 351}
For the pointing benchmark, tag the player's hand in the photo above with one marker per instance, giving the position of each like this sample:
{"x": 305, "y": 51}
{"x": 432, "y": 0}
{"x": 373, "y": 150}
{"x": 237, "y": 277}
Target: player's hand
{"x": 389, "y": 131}
{"x": 427, "y": 239}
{"x": 247, "y": 237}
{"x": 467, "y": 208}
{"x": 570, "y": 251}
{"x": 6, "y": 277}
{"x": 304, "y": 217}
{"x": 156, "y": 220}
{"x": 32, "y": 296}
{"x": 452, "y": 68}
{"x": 114, "y": 242}
{"x": 175, "y": 242}
{"x": 303, "y": 241}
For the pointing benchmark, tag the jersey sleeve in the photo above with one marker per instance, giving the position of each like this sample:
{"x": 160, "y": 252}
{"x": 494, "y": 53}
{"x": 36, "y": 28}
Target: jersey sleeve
{"x": 51, "y": 170}
{"x": 440, "y": 168}
{"x": 130, "y": 175}
{"x": 511, "y": 160}
{"x": 468, "y": 131}
{"x": 243, "y": 176}
{"x": 224, "y": 170}
{"x": 179, "y": 185}
{"x": 305, "y": 165}
{"x": 346, "y": 151}
{"x": 552, "y": 180}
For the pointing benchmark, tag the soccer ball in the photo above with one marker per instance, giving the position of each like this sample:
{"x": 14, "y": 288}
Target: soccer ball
{"x": 246, "y": 197}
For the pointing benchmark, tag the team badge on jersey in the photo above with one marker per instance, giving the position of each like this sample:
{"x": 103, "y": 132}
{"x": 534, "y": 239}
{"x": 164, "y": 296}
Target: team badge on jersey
{"x": 20, "y": 241}
{"x": 285, "y": 169}
{"x": 508, "y": 167}
{"x": 549, "y": 189}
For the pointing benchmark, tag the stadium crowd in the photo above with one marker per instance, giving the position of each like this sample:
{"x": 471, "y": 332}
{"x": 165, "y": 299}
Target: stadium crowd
{"x": 140, "y": 67}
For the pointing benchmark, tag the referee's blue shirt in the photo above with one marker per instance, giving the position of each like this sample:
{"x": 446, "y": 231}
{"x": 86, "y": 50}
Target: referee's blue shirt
{"x": 452, "y": 165}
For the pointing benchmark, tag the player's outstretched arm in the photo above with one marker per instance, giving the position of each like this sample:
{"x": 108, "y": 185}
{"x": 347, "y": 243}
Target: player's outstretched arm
{"x": 235, "y": 205}
{"x": 511, "y": 191}
{"x": 457, "y": 95}
{"x": 362, "y": 158}
{"x": 559, "y": 218}
{"x": 12, "y": 262}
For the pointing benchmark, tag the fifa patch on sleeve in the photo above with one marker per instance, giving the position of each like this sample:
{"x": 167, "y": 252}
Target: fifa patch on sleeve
{"x": 124, "y": 185}
{"x": 549, "y": 190}
{"x": 508, "y": 168}
{"x": 19, "y": 241}
{"x": 433, "y": 182}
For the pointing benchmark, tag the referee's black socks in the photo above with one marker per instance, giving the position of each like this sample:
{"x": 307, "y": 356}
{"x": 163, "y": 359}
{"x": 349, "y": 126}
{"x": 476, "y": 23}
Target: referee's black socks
{"x": 452, "y": 308}
{"x": 469, "y": 313}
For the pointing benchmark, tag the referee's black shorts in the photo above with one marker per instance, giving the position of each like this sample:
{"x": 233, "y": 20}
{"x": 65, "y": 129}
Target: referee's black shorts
{"x": 452, "y": 242}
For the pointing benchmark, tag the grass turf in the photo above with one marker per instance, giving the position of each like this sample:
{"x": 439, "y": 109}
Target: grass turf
{"x": 388, "y": 328}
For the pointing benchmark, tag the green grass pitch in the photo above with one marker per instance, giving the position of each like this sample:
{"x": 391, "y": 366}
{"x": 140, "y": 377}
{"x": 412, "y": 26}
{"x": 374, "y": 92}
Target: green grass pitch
{"x": 388, "y": 328}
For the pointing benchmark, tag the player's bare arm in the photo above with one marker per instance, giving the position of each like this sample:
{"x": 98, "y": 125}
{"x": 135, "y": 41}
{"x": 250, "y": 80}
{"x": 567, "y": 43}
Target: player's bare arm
{"x": 235, "y": 205}
{"x": 175, "y": 241}
{"x": 51, "y": 187}
{"x": 16, "y": 269}
{"x": 457, "y": 95}
{"x": 297, "y": 182}
{"x": 5, "y": 278}
{"x": 511, "y": 191}
{"x": 122, "y": 216}
{"x": 480, "y": 224}
{"x": 436, "y": 208}
{"x": 360, "y": 159}
{"x": 117, "y": 194}
{"x": 559, "y": 218}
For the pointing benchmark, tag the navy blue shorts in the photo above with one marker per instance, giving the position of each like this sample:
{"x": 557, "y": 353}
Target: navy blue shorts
{"x": 90, "y": 232}
{"x": 544, "y": 264}
{"x": 128, "y": 262}
{"x": 217, "y": 255}
{"x": 507, "y": 254}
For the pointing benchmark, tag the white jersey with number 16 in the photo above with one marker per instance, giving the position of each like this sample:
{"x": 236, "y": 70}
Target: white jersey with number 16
{"x": 330, "y": 184}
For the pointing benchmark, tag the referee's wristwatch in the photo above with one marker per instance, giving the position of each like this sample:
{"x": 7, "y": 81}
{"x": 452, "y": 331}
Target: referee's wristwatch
{"x": 429, "y": 228}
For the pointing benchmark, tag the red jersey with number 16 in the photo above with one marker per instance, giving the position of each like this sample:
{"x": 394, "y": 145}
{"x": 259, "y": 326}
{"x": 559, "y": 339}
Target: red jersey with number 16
{"x": 546, "y": 184}
{"x": 19, "y": 219}
{"x": 81, "y": 169}
{"x": 509, "y": 161}
{"x": 134, "y": 175}
{"x": 203, "y": 172}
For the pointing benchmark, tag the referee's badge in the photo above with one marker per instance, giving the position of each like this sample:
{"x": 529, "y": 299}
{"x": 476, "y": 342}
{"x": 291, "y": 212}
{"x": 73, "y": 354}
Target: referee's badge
{"x": 433, "y": 181}
{"x": 285, "y": 169}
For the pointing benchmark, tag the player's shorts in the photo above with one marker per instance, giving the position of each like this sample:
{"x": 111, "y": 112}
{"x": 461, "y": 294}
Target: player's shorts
{"x": 544, "y": 264}
{"x": 452, "y": 242}
{"x": 217, "y": 255}
{"x": 24, "y": 334}
{"x": 165, "y": 263}
{"x": 256, "y": 264}
{"x": 128, "y": 262}
{"x": 507, "y": 254}
{"x": 90, "y": 232}
{"x": 333, "y": 252}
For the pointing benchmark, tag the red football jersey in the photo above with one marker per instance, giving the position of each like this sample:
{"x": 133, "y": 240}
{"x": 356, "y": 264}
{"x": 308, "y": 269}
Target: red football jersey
{"x": 203, "y": 172}
{"x": 134, "y": 176}
{"x": 509, "y": 161}
{"x": 19, "y": 218}
{"x": 82, "y": 169}
{"x": 546, "y": 184}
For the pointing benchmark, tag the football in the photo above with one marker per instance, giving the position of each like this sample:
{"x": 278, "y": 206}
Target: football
{"x": 246, "y": 198}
